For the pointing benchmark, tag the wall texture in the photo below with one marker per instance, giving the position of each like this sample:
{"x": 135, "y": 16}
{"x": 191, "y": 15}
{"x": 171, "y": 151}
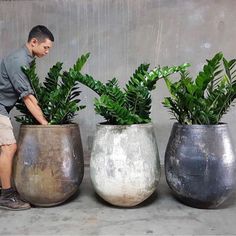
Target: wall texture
{"x": 121, "y": 34}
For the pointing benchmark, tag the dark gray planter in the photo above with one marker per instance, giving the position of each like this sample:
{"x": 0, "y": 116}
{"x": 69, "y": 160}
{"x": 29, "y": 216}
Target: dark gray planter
{"x": 200, "y": 164}
{"x": 49, "y": 165}
{"x": 125, "y": 165}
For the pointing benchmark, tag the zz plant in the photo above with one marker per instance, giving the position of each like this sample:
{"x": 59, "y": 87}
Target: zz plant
{"x": 57, "y": 96}
{"x": 207, "y": 98}
{"x": 132, "y": 104}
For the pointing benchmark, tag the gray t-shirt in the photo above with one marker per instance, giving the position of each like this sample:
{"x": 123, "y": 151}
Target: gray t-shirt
{"x": 14, "y": 84}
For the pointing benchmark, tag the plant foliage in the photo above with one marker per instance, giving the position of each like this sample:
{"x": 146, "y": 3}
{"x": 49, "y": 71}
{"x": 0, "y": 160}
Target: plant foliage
{"x": 57, "y": 96}
{"x": 132, "y": 104}
{"x": 207, "y": 98}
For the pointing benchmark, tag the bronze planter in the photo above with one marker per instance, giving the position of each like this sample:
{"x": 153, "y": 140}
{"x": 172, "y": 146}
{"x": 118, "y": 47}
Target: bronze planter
{"x": 200, "y": 164}
{"x": 49, "y": 164}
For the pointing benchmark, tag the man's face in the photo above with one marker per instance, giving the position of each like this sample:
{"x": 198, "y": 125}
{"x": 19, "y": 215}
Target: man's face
{"x": 41, "y": 49}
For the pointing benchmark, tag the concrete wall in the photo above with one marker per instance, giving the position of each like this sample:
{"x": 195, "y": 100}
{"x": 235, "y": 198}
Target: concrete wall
{"x": 121, "y": 34}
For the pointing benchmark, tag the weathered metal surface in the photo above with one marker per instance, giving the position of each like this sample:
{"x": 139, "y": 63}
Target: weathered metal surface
{"x": 125, "y": 165}
{"x": 200, "y": 164}
{"x": 49, "y": 163}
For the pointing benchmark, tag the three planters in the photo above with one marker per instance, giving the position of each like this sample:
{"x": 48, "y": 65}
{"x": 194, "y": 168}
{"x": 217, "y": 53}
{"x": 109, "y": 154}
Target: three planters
{"x": 125, "y": 166}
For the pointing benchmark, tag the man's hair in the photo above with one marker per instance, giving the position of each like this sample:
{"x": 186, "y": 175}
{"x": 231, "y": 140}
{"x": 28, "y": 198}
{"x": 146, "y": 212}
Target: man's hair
{"x": 40, "y": 32}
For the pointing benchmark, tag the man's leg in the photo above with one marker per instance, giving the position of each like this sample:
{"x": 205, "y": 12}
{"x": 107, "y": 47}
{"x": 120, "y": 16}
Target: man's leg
{"x": 6, "y": 158}
{"x": 9, "y": 199}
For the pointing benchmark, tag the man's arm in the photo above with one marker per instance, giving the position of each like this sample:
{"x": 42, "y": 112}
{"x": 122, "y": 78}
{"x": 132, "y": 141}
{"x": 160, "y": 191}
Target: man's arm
{"x": 32, "y": 105}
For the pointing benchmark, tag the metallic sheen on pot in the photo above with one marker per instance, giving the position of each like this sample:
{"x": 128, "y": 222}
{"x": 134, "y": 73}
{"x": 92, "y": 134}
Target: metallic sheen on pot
{"x": 200, "y": 164}
{"x": 49, "y": 164}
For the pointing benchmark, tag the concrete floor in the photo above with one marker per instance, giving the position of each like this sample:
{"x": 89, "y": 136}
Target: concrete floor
{"x": 87, "y": 214}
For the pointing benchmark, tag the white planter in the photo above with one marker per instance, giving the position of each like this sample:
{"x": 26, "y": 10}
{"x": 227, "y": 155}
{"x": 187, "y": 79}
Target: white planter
{"x": 125, "y": 164}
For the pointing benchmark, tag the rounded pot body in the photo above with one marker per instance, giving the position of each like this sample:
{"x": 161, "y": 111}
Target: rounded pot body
{"x": 49, "y": 163}
{"x": 125, "y": 165}
{"x": 200, "y": 164}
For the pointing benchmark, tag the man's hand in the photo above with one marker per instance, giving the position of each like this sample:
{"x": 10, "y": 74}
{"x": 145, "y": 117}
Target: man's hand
{"x": 32, "y": 105}
{"x": 44, "y": 123}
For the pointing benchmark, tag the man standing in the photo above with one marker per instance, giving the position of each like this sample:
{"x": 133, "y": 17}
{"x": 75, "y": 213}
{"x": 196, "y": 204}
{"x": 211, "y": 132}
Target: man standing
{"x": 15, "y": 85}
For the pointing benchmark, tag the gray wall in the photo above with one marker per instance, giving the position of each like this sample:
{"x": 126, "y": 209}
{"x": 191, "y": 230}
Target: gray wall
{"x": 121, "y": 34}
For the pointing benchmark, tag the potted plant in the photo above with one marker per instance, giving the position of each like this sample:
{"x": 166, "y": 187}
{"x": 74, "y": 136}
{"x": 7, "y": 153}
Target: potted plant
{"x": 124, "y": 164}
{"x": 200, "y": 164}
{"x": 49, "y": 164}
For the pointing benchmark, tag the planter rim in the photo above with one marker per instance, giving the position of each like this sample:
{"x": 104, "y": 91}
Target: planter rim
{"x": 197, "y": 126}
{"x": 123, "y": 126}
{"x": 49, "y": 126}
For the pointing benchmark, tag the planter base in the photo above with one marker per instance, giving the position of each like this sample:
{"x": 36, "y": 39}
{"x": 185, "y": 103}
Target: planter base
{"x": 202, "y": 204}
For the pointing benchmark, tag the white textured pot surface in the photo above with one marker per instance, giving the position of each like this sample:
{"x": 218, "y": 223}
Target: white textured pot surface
{"x": 125, "y": 164}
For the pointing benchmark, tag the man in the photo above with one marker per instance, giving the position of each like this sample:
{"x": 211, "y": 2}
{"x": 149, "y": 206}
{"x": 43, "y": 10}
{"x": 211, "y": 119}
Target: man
{"x": 15, "y": 85}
